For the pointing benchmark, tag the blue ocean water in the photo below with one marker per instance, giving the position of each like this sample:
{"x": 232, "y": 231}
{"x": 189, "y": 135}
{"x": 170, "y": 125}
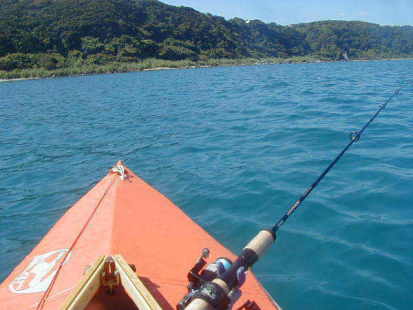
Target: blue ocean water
{"x": 234, "y": 147}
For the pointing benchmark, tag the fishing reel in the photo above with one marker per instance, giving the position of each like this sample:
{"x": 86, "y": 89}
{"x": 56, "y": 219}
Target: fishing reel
{"x": 200, "y": 279}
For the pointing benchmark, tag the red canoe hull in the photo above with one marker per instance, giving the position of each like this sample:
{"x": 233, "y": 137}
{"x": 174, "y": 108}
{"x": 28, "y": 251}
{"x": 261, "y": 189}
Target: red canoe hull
{"x": 126, "y": 217}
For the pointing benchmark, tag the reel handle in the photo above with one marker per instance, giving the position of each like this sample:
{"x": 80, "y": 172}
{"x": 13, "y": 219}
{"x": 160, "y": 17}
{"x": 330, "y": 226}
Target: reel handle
{"x": 255, "y": 249}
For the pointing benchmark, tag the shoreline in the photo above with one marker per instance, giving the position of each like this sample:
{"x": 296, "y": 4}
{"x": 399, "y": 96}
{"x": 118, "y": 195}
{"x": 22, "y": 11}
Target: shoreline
{"x": 19, "y": 79}
{"x": 137, "y": 67}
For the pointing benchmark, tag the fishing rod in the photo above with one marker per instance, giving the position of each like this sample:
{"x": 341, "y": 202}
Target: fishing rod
{"x": 213, "y": 295}
{"x": 355, "y": 137}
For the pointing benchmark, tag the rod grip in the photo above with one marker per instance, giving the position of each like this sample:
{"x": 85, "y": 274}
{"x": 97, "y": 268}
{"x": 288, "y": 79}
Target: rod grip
{"x": 255, "y": 248}
{"x": 201, "y": 304}
{"x": 261, "y": 242}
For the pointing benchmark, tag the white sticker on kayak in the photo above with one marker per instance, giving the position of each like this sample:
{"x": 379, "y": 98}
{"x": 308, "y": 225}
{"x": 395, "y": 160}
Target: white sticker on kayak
{"x": 39, "y": 274}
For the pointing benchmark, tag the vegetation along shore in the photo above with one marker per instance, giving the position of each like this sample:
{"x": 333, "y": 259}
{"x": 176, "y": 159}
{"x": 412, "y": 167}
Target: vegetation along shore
{"x": 45, "y": 38}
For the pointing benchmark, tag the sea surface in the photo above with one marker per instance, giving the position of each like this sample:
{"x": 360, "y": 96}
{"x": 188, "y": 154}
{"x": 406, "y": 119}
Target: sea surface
{"x": 234, "y": 147}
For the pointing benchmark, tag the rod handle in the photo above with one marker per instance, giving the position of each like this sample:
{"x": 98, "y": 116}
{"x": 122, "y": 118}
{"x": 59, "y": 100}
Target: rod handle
{"x": 200, "y": 304}
{"x": 261, "y": 242}
{"x": 254, "y": 250}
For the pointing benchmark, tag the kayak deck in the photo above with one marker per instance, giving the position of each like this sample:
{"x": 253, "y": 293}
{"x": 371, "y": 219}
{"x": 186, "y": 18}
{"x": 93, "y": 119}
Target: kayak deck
{"x": 121, "y": 215}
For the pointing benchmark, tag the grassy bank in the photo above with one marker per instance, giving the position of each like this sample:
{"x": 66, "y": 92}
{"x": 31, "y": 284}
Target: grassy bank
{"x": 148, "y": 64}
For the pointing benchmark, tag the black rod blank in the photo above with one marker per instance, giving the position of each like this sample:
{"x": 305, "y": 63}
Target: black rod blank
{"x": 355, "y": 137}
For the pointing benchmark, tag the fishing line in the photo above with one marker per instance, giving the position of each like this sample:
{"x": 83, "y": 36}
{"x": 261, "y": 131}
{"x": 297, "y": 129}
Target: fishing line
{"x": 216, "y": 292}
{"x": 354, "y": 138}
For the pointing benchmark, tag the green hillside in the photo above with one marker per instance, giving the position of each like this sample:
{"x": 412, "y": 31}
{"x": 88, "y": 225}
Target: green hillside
{"x": 58, "y": 34}
{"x": 359, "y": 39}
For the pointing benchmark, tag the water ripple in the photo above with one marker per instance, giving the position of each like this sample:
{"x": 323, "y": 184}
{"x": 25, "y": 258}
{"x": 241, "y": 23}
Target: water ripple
{"x": 233, "y": 147}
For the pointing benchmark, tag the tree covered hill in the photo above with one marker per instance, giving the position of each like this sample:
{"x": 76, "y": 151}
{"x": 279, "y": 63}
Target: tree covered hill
{"x": 359, "y": 39}
{"x": 58, "y": 33}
